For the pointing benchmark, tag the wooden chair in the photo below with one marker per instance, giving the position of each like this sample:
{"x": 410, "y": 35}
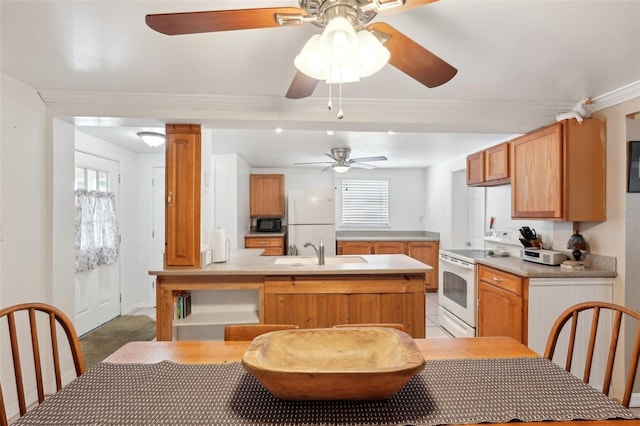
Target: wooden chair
{"x": 599, "y": 309}
{"x": 250, "y": 331}
{"x": 23, "y": 320}
{"x": 397, "y": 326}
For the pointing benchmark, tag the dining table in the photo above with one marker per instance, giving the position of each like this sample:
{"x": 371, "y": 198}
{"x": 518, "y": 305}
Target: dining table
{"x": 470, "y": 379}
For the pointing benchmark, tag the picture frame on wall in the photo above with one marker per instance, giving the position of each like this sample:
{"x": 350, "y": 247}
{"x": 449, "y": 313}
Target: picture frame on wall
{"x": 633, "y": 170}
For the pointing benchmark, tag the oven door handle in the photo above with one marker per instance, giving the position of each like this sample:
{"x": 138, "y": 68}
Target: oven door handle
{"x": 457, "y": 263}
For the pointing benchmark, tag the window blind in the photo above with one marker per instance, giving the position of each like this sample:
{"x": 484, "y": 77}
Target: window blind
{"x": 365, "y": 202}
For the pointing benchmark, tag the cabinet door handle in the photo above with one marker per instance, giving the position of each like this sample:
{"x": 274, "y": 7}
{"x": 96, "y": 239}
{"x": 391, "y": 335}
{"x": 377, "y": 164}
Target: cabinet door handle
{"x": 169, "y": 198}
{"x": 497, "y": 279}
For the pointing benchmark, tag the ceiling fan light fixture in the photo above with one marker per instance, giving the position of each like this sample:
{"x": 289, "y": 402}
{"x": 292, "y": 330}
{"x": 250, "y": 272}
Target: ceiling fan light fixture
{"x": 340, "y": 168}
{"x": 310, "y": 59}
{"x": 153, "y": 139}
{"x": 372, "y": 55}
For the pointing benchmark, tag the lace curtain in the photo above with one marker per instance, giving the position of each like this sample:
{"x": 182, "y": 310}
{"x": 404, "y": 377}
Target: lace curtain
{"x": 96, "y": 228}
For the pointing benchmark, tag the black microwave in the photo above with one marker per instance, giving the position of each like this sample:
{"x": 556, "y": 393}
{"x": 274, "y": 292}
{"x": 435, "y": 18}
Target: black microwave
{"x": 269, "y": 225}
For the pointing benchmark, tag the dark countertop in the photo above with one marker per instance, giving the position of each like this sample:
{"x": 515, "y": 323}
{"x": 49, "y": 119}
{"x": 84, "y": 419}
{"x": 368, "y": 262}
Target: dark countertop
{"x": 524, "y": 268}
{"x": 387, "y": 236}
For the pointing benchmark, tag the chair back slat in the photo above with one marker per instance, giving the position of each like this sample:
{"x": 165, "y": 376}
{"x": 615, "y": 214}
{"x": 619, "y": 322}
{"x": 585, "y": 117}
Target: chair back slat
{"x": 55, "y": 318}
{"x": 592, "y": 344}
{"x": 597, "y": 308}
{"x": 37, "y": 364}
{"x": 613, "y": 346}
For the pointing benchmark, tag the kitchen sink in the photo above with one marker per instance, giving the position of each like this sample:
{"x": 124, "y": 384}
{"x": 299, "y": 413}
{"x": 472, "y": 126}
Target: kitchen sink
{"x": 311, "y": 260}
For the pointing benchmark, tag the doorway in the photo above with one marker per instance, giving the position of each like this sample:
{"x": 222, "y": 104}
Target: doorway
{"x": 467, "y": 213}
{"x": 97, "y": 292}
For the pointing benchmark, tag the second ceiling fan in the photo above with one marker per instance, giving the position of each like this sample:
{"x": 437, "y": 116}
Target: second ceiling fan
{"x": 404, "y": 54}
{"x": 341, "y": 161}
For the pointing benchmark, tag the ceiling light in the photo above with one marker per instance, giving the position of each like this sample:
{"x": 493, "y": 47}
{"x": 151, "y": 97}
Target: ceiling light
{"x": 278, "y": 130}
{"x": 152, "y": 139}
{"x": 340, "y": 168}
{"x": 340, "y": 55}
{"x": 330, "y": 132}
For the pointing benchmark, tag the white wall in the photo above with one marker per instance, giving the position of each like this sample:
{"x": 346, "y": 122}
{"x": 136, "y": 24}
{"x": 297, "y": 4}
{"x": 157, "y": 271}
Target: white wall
{"x": 231, "y": 197}
{"x": 25, "y": 211}
{"x": 438, "y": 201}
{"x": 406, "y": 190}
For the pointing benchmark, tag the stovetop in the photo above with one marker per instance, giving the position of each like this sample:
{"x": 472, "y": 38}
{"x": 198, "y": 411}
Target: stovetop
{"x": 467, "y": 255}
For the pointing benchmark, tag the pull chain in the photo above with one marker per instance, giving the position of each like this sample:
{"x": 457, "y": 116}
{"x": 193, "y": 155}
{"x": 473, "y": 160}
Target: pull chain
{"x": 340, "y": 113}
{"x": 330, "y": 105}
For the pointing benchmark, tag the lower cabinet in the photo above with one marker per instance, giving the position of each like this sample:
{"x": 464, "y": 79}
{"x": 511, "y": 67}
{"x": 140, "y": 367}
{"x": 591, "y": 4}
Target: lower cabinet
{"x": 501, "y": 304}
{"x": 273, "y": 246}
{"x": 324, "y": 301}
{"x": 354, "y": 247}
{"x": 424, "y": 251}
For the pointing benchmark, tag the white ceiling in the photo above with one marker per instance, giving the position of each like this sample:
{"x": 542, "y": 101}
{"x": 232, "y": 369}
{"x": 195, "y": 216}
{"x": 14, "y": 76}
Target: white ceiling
{"x": 520, "y": 62}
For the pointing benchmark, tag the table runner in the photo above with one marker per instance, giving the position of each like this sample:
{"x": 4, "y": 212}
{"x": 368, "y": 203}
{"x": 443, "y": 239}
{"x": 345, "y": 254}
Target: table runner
{"x": 446, "y": 391}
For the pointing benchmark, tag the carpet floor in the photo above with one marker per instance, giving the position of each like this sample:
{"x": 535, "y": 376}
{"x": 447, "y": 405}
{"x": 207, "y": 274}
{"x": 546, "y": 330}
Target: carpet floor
{"x": 106, "y": 339}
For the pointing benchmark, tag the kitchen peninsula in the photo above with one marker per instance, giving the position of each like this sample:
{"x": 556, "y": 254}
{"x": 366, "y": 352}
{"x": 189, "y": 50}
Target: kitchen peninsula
{"x": 296, "y": 290}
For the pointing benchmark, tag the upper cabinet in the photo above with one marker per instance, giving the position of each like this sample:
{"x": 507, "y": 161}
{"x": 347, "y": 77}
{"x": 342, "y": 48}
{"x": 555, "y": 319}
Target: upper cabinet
{"x": 266, "y": 195}
{"x": 558, "y": 172}
{"x": 489, "y": 167}
{"x": 182, "y": 188}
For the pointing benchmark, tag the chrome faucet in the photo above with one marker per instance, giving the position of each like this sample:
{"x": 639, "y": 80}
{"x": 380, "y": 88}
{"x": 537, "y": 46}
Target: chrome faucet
{"x": 319, "y": 251}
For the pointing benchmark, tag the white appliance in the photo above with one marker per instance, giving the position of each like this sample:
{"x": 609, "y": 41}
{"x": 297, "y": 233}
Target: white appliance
{"x": 311, "y": 216}
{"x": 457, "y": 291}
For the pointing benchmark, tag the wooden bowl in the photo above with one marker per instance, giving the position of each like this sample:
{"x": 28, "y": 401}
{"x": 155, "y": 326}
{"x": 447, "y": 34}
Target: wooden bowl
{"x": 333, "y": 363}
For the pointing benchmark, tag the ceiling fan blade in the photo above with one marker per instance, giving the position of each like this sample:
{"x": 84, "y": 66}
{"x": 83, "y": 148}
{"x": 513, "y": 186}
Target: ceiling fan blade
{"x": 327, "y": 168}
{"x": 302, "y": 86}
{"x": 218, "y": 20}
{"x": 333, "y": 157}
{"x": 315, "y": 162}
{"x": 379, "y": 158}
{"x": 363, "y": 166}
{"x": 413, "y": 59}
{"x": 408, "y": 5}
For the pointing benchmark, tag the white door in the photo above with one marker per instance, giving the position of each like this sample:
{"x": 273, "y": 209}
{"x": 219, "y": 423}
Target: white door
{"x": 156, "y": 261}
{"x": 98, "y": 291}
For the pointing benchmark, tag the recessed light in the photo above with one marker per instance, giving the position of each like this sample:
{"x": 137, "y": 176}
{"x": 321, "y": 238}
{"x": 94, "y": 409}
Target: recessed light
{"x": 278, "y": 130}
{"x": 391, "y": 132}
{"x": 330, "y": 132}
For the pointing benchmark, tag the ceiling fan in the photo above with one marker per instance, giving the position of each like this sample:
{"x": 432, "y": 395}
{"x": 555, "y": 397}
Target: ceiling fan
{"x": 341, "y": 161}
{"x": 405, "y": 54}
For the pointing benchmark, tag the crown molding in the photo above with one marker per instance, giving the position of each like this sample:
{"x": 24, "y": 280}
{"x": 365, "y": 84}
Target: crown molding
{"x": 615, "y": 97}
{"x": 360, "y": 114}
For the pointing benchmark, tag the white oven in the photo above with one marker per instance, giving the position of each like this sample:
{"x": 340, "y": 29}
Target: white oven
{"x": 457, "y": 291}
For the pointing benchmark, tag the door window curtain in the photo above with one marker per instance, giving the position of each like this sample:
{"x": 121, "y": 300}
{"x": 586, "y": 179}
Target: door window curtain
{"x": 97, "y": 234}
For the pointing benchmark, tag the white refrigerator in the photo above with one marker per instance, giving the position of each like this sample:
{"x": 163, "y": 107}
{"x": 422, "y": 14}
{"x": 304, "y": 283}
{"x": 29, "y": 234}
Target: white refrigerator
{"x": 310, "y": 216}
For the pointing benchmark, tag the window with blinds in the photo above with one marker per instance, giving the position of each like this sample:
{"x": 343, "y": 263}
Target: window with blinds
{"x": 365, "y": 202}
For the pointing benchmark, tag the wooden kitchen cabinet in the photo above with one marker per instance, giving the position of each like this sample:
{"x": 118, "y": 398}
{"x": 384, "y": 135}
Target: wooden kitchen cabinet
{"x": 273, "y": 246}
{"x": 266, "y": 195}
{"x": 389, "y": 247}
{"x": 426, "y": 252}
{"x": 558, "y": 172}
{"x": 315, "y": 301}
{"x": 502, "y": 306}
{"x": 182, "y": 189}
{"x": 475, "y": 168}
{"x": 354, "y": 247}
{"x": 489, "y": 167}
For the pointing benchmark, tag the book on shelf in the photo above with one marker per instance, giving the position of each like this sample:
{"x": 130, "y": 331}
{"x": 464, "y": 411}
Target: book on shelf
{"x": 181, "y": 304}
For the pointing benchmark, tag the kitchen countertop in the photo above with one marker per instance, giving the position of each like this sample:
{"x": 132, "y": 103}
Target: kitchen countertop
{"x": 265, "y": 234}
{"x": 387, "y": 236}
{"x": 249, "y": 262}
{"x": 524, "y": 268}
